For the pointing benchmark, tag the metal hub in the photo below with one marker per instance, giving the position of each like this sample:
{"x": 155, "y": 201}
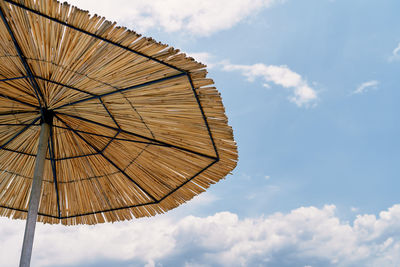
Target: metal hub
{"x": 47, "y": 116}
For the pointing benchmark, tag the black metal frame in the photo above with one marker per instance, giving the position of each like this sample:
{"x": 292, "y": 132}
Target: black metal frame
{"x": 56, "y": 113}
{"x": 38, "y": 92}
{"x": 53, "y": 168}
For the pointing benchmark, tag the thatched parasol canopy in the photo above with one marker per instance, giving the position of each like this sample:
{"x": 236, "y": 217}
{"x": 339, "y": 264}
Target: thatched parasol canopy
{"x": 136, "y": 128}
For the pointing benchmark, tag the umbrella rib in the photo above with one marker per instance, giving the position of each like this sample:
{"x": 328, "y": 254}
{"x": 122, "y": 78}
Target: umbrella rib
{"x": 106, "y": 158}
{"x": 20, "y": 132}
{"x": 11, "y": 79}
{"x": 72, "y": 71}
{"x": 111, "y": 140}
{"x": 17, "y": 100}
{"x": 39, "y": 213}
{"x": 191, "y": 178}
{"x": 54, "y": 170}
{"x": 203, "y": 115}
{"x": 69, "y": 70}
{"x": 17, "y": 112}
{"x": 95, "y": 36}
{"x": 38, "y": 92}
{"x": 76, "y": 157}
{"x": 19, "y": 89}
{"x": 140, "y": 116}
{"x": 34, "y": 155}
{"x": 116, "y": 123}
{"x": 14, "y": 124}
{"x": 103, "y": 175}
{"x": 64, "y": 85}
{"x": 108, "y": 210}
{"x": 123, "y": 90}
{"x": 91, "y": 154}
{"x": 118, "y": 139}
{"x": 19, "y": 152}
{"x": 137, "y": 135}
{"x": 111, "y": 116}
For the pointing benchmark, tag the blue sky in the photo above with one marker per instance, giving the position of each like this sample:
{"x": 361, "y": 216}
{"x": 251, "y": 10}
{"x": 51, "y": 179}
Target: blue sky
{"x": 311, "y": 91}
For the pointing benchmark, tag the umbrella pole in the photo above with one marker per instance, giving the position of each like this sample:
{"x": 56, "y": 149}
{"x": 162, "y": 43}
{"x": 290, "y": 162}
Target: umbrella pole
{"x": 35, "y": 196}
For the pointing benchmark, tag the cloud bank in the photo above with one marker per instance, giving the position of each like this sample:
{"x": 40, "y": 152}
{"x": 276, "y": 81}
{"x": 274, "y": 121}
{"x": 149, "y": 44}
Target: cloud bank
{"x": 307, "y": 236}
{"x": 197, "y": 17}
{"x": 302, "y": 93}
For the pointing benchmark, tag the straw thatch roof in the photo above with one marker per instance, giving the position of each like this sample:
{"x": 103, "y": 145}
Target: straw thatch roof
{"x": 137, "y": 128}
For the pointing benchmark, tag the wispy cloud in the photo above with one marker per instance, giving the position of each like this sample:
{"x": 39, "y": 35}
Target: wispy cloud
{"x": 304, "y": 236}
{"x": 395, "y": 53}
{"x": 205, "y": 58}
{"x": 199, "y": 17}
{"x": 366, "y": 86}
{"x": 302, "y": 94}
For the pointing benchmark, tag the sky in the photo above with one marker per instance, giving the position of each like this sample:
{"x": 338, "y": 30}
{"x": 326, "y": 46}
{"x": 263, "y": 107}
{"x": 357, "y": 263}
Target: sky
{"x": 311, "y": 92}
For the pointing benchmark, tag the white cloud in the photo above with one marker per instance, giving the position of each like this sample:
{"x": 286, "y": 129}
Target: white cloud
{"x": 302, "y": 93}
{"x": 307, "y": 236}
{"x": 364, "y": 87}
{"x": 395, "y": 53}
{"x": 198, "y": 17}
{"x": 203, "y": 57}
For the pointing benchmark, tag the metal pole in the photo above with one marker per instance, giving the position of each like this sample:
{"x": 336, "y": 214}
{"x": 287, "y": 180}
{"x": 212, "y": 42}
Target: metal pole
{"x": 26, "y": 253}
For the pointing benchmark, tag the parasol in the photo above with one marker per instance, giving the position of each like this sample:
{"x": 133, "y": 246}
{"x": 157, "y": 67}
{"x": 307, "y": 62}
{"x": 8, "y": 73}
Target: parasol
{"x": 99, "y": 124}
